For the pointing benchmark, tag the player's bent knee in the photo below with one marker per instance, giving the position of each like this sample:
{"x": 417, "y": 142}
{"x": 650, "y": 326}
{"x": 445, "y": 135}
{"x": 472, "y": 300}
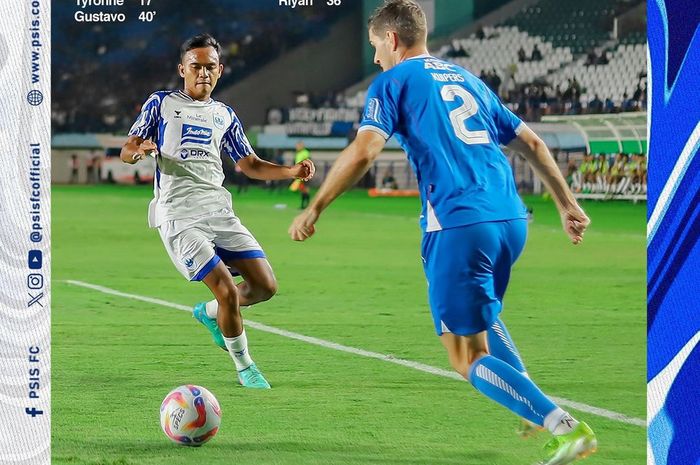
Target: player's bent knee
{"x": 227, "y": 296}
{"x": 267, "y": 289}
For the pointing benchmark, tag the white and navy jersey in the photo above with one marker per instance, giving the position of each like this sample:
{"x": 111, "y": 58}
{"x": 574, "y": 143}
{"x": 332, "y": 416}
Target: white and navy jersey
{"x": 191, "y": 136}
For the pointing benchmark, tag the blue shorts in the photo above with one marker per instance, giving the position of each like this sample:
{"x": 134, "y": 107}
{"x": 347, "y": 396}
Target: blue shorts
{"x": 468, "y": 269}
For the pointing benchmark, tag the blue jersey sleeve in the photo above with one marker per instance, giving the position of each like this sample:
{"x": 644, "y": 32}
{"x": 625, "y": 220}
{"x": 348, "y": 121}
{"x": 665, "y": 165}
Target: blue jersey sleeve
{"x": 507, "y": 124}
{"x": 147, "y": 121}
{"x": 381, "y": 113}
{"x": 235, "y": 144}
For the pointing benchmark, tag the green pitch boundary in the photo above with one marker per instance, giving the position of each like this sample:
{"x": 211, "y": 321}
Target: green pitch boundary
{"x": 619, "y": 417}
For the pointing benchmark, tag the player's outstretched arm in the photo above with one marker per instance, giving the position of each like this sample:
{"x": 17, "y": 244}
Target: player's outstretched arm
{"x": 136, "y": 148}
{"x": 349, "y": 168}
{"x": 535, "y": 151}
{"x": 256, "y": 168}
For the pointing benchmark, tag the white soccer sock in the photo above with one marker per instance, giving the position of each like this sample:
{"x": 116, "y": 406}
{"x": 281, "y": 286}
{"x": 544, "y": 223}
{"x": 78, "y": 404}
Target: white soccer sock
{"x": 212, "y": 308}
{"x": 559, "y": 422}
{"x": 238, "y": 350}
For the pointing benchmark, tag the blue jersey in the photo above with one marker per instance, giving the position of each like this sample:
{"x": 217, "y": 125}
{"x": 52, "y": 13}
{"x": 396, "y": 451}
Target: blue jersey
{"x": 451, "y": 126}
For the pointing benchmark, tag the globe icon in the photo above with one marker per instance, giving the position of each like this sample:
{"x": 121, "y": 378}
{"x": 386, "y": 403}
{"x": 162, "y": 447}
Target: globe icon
{"x": 35, "y": 97}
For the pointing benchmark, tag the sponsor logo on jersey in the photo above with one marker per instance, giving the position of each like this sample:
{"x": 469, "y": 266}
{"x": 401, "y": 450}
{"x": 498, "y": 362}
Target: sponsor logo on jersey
{"x": 197, "y": 117}
{"x": 439, "y": 65}
{"x": 177, "y": 114}
{"x": 219, "y": 121}
{"x": 193, "y": 153}
{"x": 196, "y": 134}
{"x": 373, "y": 110}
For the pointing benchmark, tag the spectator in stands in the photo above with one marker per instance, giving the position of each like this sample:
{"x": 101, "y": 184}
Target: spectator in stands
{"x": 566, "y": 95}
{"x": 603, "y": 60}
{"x": 491, "y": 79}
{"x": 609, "y": 105}
{"x": 495, "y": 81}
{"x": 627, "y": 103}
{"x": 576, "y": 86}
{"x": 522, "y": 56}
{"x": 536, "y": 54}
{"x": 591, "y": 58}
{"x": 595, "y": 105}
{"x": 574, "y": 103}
{"x": 510, "y": 83}
{"x": 544, "y": 101}
{"x": 637, "y": 96}
{"x": 457, "y": 51}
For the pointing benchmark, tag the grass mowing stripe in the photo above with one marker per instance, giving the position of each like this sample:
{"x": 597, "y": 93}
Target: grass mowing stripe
{"x": 365, "y": 353}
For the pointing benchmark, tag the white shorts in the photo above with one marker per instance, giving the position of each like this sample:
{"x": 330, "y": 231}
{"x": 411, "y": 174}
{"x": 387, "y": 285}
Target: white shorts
{"x": 196, "y": 245}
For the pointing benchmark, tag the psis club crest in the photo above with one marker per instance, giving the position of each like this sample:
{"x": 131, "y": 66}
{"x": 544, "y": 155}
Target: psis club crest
{"x": 219, "y": 121}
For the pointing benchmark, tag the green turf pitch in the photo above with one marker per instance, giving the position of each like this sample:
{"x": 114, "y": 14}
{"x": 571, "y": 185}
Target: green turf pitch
{"x": 577, "y": 314}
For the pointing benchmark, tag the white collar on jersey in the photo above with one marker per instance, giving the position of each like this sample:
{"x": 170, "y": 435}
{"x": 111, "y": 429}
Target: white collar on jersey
{"x": 184, "y": 94}
{"x": 425, "y": 55}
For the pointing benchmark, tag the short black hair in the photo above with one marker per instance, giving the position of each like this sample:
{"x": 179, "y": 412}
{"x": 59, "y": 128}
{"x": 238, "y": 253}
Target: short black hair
{"x": 406, "y": 17}
{"x": 200, "y": 41}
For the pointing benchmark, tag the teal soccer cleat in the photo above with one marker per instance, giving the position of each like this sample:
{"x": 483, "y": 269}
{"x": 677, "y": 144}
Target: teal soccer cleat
{"x": 252, "y": 378}
{"x": 200, "y": 314}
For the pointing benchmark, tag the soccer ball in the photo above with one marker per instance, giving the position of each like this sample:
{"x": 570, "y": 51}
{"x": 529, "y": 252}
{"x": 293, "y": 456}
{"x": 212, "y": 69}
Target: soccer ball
{"x": 190, "y": 415}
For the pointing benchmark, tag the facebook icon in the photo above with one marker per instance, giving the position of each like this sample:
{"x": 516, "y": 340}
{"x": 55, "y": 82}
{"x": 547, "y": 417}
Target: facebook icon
{"x": 35, "y": 259}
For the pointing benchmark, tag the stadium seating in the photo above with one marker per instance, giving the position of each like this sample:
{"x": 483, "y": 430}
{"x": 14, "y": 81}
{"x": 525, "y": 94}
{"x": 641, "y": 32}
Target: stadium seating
{"x": 500, "y": 51}
{"x": 621, "y": 75}
{"x": 577, "y": 25}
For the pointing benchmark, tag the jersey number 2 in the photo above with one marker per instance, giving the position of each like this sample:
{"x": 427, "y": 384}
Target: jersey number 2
{"x": 462, "y": 113}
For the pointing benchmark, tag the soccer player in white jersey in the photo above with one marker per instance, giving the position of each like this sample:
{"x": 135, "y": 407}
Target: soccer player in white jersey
{"x": 188, "y": 132}
{"x": 451, "y": 126}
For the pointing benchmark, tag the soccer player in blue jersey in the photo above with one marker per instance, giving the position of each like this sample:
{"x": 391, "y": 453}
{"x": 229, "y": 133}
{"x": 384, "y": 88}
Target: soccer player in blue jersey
{"x": 188, "y": 132}
{"x": 451, "y": 126}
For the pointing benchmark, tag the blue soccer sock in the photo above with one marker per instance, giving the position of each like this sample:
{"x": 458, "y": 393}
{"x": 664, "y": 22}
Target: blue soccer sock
{"x": 502, "y": 383}
{"x": 502, "y": 347}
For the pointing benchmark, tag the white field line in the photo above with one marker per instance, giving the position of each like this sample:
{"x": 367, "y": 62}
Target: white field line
{"x": 364, "y": 353}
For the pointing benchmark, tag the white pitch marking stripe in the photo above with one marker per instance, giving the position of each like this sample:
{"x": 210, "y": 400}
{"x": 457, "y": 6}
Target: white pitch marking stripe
{"x": 365, "y": 353}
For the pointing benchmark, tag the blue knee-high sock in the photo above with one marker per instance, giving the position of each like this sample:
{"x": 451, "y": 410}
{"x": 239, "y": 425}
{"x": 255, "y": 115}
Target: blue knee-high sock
{"x": 502, "y": 347}
{"x": 504, "y": 384}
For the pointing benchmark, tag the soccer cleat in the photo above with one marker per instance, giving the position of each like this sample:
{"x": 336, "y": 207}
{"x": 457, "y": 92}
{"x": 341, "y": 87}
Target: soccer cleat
{"x": 200, "y": 314}
{"x": 252, "y": 378}
{"x": 527, "y": 429}
{"x": 564, "y": 449}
